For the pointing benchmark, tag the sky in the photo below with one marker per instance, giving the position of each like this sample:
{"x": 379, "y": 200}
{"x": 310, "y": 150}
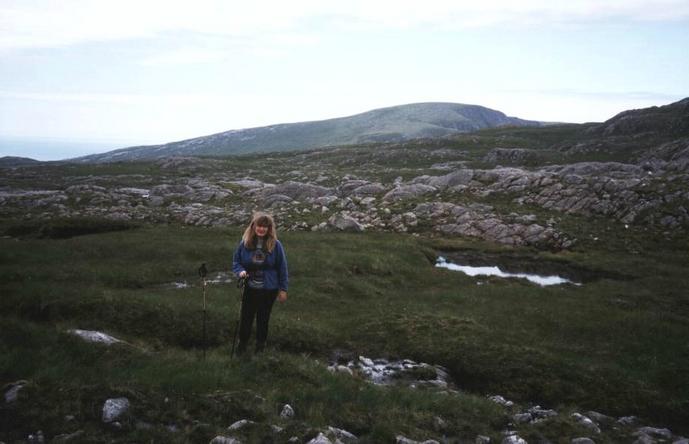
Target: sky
{"x": 84, "y": 76}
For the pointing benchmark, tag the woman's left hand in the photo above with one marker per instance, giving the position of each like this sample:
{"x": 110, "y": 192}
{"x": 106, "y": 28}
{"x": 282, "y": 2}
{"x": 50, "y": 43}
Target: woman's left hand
{"x": 282, "y": 296}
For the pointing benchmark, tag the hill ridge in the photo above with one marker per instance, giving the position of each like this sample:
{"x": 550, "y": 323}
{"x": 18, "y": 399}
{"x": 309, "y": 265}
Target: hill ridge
{"x": 389, "y": 124}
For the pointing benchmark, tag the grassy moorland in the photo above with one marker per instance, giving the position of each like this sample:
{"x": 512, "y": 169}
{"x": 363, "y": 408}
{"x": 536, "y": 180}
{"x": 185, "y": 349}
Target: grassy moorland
{"x": 616, "y": 344}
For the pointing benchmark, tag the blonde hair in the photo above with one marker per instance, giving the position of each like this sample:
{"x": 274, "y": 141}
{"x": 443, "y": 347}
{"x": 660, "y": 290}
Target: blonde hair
{"x": 263, "y": 220}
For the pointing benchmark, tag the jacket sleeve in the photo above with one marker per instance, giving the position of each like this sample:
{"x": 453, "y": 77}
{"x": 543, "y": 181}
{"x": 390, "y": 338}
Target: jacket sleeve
{"x": 281, "y": 262}
{"x": 237, "y": 259}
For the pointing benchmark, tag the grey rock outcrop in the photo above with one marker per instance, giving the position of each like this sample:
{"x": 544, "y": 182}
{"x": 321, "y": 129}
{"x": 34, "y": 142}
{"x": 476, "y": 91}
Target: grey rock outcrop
{"x": 297, "y": 190}
{"x": 479, "y": 221}
{"x": 510, "y": 155}
{"x": 403, "y": 192}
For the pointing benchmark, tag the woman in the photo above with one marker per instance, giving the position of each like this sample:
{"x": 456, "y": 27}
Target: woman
{"x": 260, "y": 259}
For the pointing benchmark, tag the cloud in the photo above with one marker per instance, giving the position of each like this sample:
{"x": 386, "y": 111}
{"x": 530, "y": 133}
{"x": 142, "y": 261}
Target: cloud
{"x": 46, "y": 23}
{"x": 111, "y": 98}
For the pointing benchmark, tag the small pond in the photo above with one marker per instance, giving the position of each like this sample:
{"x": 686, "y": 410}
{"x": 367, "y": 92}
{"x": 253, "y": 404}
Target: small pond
{"x": 520, "y": 264}
{"x": 543, "y": 281}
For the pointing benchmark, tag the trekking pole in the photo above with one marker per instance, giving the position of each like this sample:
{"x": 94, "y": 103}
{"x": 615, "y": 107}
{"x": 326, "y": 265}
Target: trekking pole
{"x": 202, "y": 273}
{"x": 241, "y": 282}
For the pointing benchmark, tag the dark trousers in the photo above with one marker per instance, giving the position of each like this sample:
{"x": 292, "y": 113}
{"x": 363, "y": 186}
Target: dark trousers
{"x": 256, "y": 303}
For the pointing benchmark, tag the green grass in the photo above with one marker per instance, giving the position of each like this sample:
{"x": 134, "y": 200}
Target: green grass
{"x": 613, "y": 345}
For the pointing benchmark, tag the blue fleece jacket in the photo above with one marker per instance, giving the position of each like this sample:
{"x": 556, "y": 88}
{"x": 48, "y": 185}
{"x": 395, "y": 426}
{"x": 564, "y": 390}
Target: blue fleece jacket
{"x": 274, "y": 267}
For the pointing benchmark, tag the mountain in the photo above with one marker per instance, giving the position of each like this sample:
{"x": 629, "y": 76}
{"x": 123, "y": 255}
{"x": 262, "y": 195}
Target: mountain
{"x": 13, "y": 161}
{"x": 667, "y": 120}
{"x": 393, "y": 124}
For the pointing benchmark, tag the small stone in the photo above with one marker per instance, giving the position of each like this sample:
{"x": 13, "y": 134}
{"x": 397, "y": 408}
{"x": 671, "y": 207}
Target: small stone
{"x": 276, "y": 429}
{"x": 38, "y": 438}
{"x": 513, "y": 439}
{"x": 521, "y": 418}
{"x": 654, "y": 432}
{"x": 344, "y": 369}
{"x": 480, "y": 439}
{"x": 366, "y": 361}
{"x": 582, "y": 441}
{"x": 599, "y": 417}
{"x": 320, "y": 439}
{"x": 586, "y": 422}
{"x": 68, "y": 437}
{"x": 114, "y": 408}
{"x": 642, "y": 438}
{"x": 439, "y": 424}
{"x": 341, "y": 435}
{"x": 287, "y": 412}
{"x": 628, "y": 420}
{"x": 94, "y": 336}
{"x": 12, "y": 393}
{"x": 500, "y": 400}
{"x": 224, "y": 440}
{"x": 240, "y": 424}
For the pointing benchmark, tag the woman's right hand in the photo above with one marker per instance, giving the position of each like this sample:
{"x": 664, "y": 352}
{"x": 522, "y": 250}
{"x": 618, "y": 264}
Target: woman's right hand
{"x": 242, "y": 274}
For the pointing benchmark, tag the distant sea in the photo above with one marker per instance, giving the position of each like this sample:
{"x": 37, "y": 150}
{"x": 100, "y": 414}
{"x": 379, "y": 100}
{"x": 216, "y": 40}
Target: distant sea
{"x": 40, "y": 148}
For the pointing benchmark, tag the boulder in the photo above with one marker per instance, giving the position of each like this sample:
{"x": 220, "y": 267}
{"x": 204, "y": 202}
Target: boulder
{"x": 287, "y": 412}
{"x": 343, "y": 222}
{"x": 459, "y": 177}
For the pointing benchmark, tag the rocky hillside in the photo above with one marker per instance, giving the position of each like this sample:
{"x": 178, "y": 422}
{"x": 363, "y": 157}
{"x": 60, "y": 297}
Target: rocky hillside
{"x": 496, "y": 194}
{"x": 393, "y": 124}
{"x": 669, "y": 120}
{"x": 632, "y": 133}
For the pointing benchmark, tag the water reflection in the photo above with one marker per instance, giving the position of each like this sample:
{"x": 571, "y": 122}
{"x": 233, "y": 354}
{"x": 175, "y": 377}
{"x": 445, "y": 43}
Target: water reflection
{"x": 495, "y": 271}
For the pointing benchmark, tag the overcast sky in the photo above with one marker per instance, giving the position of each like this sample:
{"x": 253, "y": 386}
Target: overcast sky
{"x": 120, "y": 73}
